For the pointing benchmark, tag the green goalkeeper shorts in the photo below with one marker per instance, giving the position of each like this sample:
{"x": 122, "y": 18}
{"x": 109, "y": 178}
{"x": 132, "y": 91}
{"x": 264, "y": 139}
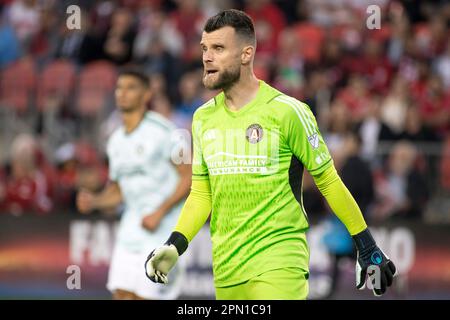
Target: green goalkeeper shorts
{"x": 279, "y": 284}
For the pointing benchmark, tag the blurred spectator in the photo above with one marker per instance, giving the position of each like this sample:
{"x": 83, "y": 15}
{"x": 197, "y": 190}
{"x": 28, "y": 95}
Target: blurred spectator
{"x": 373, "y": 130}
{"x": 401, "y": 188}
{"x": 73, "y": 43}
{"x": 119, "y": 40}
{"x": 374, "y": 66}
{"x": 79, "y": 165}
{"x": 442, "y": 67}
{"x": 44, "y": 42}
{"x": 155, "y": 25}
{"x": 417, "y": 11}
{"x": 188, "y": 19}
{"x": 9, "y": 44}
{"x": 67, "y": 163}
{"x": 292, "y": 11}
{"x": 399, "y": 26}
{"x": 356, "y": 173}
{"x": 395, "y": 104}
{"x": 27, "y": 189}
{"x": 87, "y": 45}
{"x": 92, "y": 171}
{"x": 355, "y": 97}
{"x": 161, "y": 104}
{"x": 158, "y": 60}
{"x": 414, "y": 129}
{"x": 317, "y": 95}
{"x": 290, "y": 64}
{"x": 420, "y": 73}
{"x": 269, "y": 22}
{"x": 409, "y": 64}
{"x": 331, "y": 60}
{"x": 189, "y": 89}
{"x": 310, "y": 37}
{"x": 100, "y": 15}
{"x": 24, "y": 17}
{"x": 431, "y": 38}
{"x": 339, "y": 125}
{"x": 348, "y": 30}
{"x": 159, "y": 85}
{"x": 434, "y": 106}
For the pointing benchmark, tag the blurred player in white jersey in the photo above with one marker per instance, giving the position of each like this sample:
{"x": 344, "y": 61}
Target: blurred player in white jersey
{"x": 144, "y": 177}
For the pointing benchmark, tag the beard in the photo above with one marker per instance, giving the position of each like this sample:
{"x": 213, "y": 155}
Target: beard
{"x": 224, "y": 80}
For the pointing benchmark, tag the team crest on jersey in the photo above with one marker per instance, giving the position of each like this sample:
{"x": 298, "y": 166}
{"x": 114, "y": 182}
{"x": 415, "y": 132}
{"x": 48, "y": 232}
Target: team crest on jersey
{"x": 254, "y": 133}
{"x": 139, "y": 149}
{"x": 314, "y": 140}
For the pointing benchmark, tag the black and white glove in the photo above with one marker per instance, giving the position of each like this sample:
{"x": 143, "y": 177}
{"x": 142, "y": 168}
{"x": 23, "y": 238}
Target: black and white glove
{"x": 371, "y": 258}
{"x": 161, "y": 260}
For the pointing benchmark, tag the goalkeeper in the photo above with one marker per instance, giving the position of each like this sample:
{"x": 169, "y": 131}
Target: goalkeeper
{"x": 251, "y": 145}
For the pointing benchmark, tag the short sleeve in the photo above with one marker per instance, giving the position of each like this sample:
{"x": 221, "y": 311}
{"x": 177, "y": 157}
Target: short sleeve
{"x": 303, "y": 136}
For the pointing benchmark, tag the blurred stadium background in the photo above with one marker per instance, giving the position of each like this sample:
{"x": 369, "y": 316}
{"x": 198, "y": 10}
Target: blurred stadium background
{"x": 381, "y": 98}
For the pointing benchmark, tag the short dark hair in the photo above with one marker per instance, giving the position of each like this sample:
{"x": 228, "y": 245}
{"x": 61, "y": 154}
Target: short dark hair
{"x": 133, "y": 72}
{"x": 238, "y": 20}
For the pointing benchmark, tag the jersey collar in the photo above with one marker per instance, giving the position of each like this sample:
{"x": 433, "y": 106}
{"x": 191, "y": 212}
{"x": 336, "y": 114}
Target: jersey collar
{"x": 263, "y": 96}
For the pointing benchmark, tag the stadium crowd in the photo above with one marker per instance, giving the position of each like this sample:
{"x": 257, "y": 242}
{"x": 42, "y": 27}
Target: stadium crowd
{"x": 381, "y": 96}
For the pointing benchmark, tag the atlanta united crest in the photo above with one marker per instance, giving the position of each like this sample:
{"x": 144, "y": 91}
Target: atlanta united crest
{"x": 254, "y": 133}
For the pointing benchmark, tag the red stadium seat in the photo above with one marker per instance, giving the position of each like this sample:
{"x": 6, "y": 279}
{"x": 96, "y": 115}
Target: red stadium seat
{"x": 96, "y": 83}
{"x": 17, "y": 85}
{"x": 55, "y": 82}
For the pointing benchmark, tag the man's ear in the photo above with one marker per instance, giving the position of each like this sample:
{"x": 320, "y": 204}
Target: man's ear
{"x": 247, "y": 54}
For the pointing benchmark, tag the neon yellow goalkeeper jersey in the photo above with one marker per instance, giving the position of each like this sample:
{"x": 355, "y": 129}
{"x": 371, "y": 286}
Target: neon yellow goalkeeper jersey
{"x": 254, "y": 159}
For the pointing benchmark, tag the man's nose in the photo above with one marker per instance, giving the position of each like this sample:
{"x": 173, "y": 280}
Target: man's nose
{"x": 207, "y": 56}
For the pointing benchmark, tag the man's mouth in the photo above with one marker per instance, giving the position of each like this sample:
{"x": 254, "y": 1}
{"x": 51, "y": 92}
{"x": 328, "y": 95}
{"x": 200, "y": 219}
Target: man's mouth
{"x": 210, "y": 72}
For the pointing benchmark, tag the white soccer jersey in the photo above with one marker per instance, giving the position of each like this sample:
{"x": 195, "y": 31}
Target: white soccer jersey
{"x": 140, "y": 162}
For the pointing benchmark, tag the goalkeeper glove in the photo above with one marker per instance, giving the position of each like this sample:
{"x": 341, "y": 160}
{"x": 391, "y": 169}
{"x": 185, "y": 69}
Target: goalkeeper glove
{"x": 371, "y": 256}
{"x": 161, "y": 260}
